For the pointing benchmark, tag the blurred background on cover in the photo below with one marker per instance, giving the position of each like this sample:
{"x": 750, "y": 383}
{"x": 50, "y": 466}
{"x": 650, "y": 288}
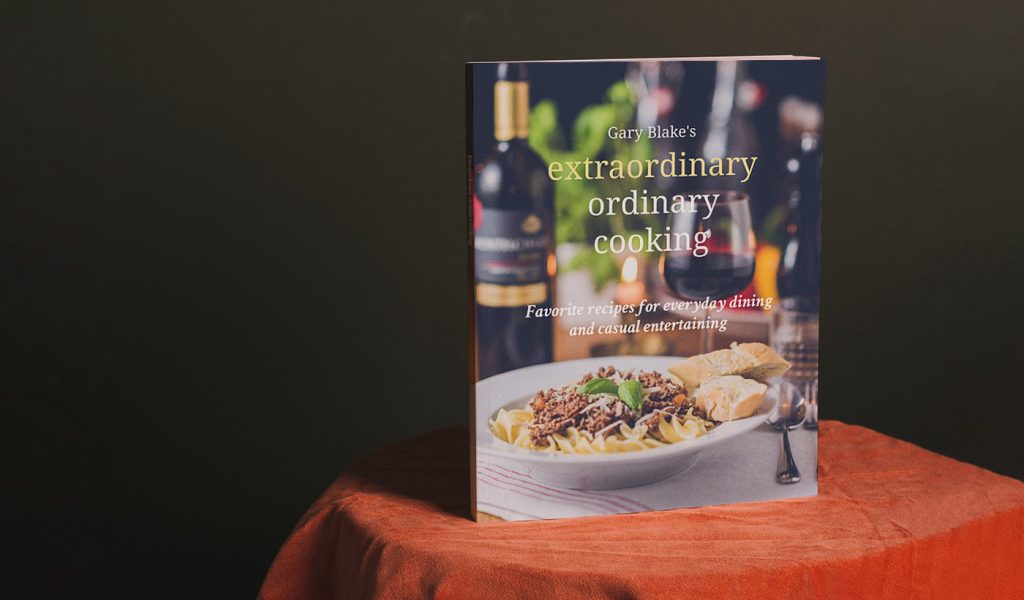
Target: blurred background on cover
{"x": 771, "y": 110}
{"x": 234, "y": 259}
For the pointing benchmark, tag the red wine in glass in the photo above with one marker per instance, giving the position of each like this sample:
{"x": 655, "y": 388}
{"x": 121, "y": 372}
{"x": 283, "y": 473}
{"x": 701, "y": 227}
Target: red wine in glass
{"x": 723, "y": 265}
{"x": 716, "y": 275}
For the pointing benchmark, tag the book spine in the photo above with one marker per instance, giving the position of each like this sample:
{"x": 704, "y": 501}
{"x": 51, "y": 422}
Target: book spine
{"x": 470, "y": 291}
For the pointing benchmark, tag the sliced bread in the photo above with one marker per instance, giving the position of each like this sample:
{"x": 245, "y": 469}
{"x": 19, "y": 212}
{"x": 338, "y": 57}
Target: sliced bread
{"x": 751, "y": 360}
{"x": 729, "y": 397}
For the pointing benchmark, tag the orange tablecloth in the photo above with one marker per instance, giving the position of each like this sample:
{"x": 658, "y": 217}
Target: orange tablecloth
{"x": 892, "y": 521}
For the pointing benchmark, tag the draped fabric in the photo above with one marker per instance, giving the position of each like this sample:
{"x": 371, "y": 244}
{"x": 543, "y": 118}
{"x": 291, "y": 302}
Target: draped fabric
{"x": 891, "y": 521}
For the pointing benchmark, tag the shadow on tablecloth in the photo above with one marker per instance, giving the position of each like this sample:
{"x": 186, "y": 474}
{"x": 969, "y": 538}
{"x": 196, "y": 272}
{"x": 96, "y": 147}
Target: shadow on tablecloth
{"x": 433, "y": 468}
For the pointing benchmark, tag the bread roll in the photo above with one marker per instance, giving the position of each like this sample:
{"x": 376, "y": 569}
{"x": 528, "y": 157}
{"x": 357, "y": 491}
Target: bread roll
{"x": 729, "y": 397}
{"x": 751, "y": 360}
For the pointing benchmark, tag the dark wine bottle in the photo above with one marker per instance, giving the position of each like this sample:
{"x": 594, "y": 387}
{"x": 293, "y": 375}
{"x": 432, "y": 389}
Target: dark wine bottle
{"x": 799, "y": 271}
{"x": 729, "y": 130}
{"x": 512, "y": 239}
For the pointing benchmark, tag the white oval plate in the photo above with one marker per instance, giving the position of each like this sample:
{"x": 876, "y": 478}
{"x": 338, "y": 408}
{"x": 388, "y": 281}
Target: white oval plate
{"x": 514, "y": 389}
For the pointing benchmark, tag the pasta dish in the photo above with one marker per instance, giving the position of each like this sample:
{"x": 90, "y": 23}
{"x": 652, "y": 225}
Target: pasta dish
{"x": 606, "y": 411}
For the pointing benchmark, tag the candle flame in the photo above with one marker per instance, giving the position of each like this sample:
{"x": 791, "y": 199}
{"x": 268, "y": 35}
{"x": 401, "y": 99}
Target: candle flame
{"x": 629, "y": 270}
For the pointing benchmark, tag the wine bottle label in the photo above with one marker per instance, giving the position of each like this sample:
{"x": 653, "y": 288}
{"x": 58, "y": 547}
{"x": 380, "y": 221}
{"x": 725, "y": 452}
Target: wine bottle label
{"x": 498, "y": 296}
{"x": 511, "y": 249}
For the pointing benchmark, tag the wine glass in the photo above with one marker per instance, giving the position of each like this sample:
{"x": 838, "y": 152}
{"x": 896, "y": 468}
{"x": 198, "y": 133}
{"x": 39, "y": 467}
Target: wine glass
{"x": 711, "y": 253}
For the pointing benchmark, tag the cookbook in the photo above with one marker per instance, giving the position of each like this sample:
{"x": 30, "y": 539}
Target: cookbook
{"x": 644, "y": 248}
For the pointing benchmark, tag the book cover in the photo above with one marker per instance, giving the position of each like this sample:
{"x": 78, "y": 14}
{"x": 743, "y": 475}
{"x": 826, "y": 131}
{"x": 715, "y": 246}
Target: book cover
{"x": 644, "y": 240}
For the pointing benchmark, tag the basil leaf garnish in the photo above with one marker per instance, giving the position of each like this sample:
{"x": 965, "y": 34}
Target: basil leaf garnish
{"x": 632, "y": 394}
{"x": 598, "y": 386}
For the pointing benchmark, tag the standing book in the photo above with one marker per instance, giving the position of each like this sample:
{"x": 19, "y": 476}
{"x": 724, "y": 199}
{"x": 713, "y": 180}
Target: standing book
{"x": 644, "y": 241}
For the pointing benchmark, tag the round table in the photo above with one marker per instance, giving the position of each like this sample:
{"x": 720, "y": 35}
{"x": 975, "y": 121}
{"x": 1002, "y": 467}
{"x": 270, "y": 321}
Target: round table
{"x": 891, "y": 521}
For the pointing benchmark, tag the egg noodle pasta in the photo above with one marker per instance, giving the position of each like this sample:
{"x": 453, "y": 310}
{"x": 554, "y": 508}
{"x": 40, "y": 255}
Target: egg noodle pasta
{"x": 512, "y": 426}
{"x": 606, "y": 411}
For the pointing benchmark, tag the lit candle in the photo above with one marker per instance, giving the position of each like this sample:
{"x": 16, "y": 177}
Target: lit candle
{"x": 630, "y": 290}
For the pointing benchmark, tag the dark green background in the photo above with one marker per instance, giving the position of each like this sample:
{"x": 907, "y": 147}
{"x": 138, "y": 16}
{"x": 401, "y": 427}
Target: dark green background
{"x": 232, "y": 243}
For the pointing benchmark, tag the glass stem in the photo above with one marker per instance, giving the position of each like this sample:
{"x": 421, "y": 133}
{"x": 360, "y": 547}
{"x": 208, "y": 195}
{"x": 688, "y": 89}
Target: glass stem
{"x": 707, "y": 334}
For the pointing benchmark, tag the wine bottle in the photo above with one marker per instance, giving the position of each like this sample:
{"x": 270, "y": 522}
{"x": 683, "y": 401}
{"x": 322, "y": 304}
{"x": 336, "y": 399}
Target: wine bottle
{"x": 658, "y": 85}
{"x": 729, "y": 130}
{"x": 512, "y": 239}
{"x": 799, "y": 270}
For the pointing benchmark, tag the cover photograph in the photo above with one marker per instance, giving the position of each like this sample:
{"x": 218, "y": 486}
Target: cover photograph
{"x": 644, "y": 240}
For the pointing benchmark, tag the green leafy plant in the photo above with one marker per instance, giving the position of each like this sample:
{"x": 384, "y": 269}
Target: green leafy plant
{"x": 589, "y": 139}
